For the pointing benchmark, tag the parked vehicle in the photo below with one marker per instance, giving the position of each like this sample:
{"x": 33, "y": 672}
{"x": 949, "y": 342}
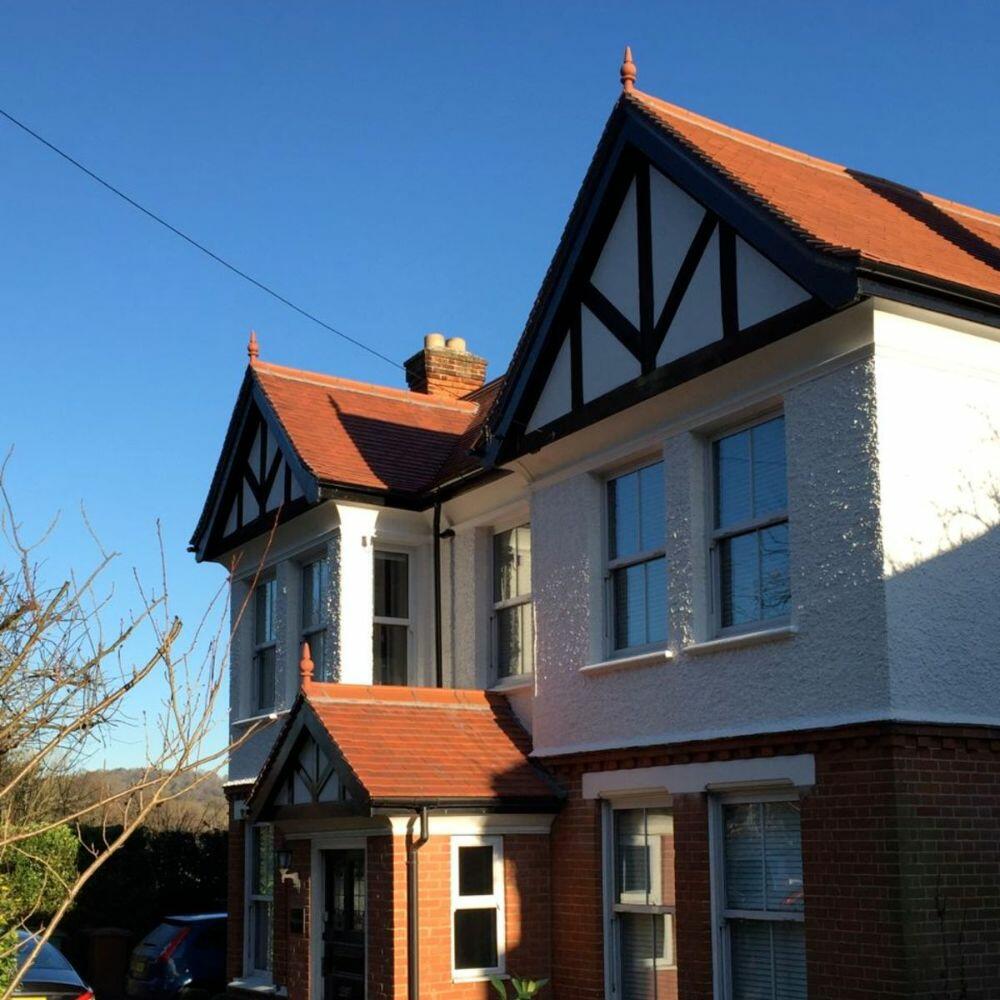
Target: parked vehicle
{"x": 50, "y": 976}
{"x": 184, "y": 957}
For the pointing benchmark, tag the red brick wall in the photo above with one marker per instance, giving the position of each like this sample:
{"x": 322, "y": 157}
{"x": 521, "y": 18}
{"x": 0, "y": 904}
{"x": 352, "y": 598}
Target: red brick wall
{"x": 901, "y": 856}
{"x": 526, "y": 904}
{"x": 291, "y": 951}
{"x": 234, "y": 893}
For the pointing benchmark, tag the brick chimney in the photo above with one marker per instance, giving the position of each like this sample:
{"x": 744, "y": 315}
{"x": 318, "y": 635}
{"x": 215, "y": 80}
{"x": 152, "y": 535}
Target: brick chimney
{"x": 445, "y": 368}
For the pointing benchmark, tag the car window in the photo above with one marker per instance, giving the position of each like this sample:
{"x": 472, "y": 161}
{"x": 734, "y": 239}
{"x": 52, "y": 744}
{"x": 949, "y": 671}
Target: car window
{"x": 48, "y": 958}
{"x": 161, "y": 936}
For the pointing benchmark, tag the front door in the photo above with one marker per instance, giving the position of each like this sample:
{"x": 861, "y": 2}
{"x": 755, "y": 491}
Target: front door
{"x": 344, "y": 925}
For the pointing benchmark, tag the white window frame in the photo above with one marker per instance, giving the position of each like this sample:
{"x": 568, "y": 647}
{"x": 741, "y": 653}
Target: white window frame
{"x": 408, "y": 621}
{"x": 306, "y": 632}
{"x": 716, "y": 536}
{"x": 511, "y": 602}
{"x": 609, "y": 878}
{"x": 721, "y": 914}
{"x": 268, "y": 580}
{"x": 623, "y": 562}
{"x": 494, "y": 901}
{"x": 251, "y": 972}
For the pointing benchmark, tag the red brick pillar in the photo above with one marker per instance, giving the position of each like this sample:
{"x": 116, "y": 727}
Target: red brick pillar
{"x": 235, "y": 886}
{"x": 693, "y": 898}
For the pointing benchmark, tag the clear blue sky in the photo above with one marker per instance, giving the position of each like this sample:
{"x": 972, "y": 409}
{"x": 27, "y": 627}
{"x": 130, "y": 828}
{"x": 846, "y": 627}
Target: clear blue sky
{"x": 396, "y": 168}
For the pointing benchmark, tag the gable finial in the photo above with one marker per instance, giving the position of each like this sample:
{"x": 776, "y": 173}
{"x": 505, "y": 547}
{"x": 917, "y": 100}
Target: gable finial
{"x": 306, "y": 667}
{"x": 253, "y": 347}
{"x": 628, "y": 71}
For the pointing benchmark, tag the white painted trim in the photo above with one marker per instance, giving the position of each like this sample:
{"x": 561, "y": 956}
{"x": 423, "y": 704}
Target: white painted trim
{"x": 514, "y": 682}
{"x": 768, "y": 726}
{"x": 652, "y": 658}
{"x": 484, "y": 824}
{"x": 739, "y": 640}
{"x": 797, "y": 770}
{"x": 496, "y": 899}
{"x": 254, "y": 984}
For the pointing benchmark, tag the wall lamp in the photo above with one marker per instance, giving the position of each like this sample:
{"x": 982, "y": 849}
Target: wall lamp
{"x": 283, "y": 860}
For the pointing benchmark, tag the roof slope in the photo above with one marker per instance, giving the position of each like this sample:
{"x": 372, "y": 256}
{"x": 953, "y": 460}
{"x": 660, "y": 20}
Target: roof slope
{"x": 411, "y": 744}
{"x": 369, "y": 436}
{"x": 844, "y": 209}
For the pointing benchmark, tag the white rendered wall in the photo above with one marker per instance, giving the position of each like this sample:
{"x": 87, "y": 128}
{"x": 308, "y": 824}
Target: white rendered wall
{"x": 938, "y": 393}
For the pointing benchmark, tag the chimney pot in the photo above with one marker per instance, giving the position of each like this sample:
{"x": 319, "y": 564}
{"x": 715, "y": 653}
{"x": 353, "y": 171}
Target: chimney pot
{"x": 434, "y": 340}
{"x": 456, "y": 344}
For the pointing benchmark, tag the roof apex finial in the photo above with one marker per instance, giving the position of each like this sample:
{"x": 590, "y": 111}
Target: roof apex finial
{"x": 306, "y": 666}
{"x": 628, "y": 71}
{"x": 253, "y": 347}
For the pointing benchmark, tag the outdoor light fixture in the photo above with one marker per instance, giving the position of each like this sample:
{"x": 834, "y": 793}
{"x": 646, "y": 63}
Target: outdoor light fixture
{"x": 283, "y": 860}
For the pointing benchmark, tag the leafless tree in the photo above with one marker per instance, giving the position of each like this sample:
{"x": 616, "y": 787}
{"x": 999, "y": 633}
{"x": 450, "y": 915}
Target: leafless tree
{"x": 68, "y": 680}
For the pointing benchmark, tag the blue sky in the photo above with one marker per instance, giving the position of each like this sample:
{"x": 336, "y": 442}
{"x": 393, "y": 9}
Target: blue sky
{"x": 395, "y": 168}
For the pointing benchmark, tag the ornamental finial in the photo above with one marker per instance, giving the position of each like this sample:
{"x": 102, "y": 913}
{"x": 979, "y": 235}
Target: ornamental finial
{"x": 253, "y": 348}
{"x": 306, "y": 666}
{"x": 628, "y": 71}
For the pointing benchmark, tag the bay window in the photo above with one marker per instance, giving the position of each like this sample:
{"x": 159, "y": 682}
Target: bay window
{"x": 260, "y": 900}
{"x": 513, "y": 614}
{"x": 640, "y": 891}
{"x": 477, "y": 910}
{"x": 750, "y": 537}
{"x": 313, "y": 632}
{"x": 760, "y": 900}
{"x": 265, "y": 637}
{"x": 637, "y": 565}
{"x": 391, "y": 632}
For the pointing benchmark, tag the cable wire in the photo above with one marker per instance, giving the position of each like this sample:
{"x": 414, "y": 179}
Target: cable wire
{"x": 193, "y": 242}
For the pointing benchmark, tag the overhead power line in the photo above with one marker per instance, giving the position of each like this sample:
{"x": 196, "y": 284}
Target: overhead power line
{"x": 193, "y": 242}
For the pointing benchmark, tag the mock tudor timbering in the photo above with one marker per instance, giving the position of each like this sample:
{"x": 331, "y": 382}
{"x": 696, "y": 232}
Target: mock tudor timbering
{"x": 722, "y": 546}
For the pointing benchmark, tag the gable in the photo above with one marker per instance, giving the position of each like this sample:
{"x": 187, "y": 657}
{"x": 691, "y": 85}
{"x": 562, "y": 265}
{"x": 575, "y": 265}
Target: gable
{"x": 310, "y": 776}
{"x": 663, "y": 273}
{"x": 259, "y": 480}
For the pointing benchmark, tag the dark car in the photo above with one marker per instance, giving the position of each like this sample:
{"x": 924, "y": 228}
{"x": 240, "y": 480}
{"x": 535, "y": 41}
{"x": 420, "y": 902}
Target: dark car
{"x": 182, "y": 957}
{"x": 50, "y": 975}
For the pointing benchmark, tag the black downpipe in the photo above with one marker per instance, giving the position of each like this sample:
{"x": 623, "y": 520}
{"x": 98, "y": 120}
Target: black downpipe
{"x": 413, "y": 906}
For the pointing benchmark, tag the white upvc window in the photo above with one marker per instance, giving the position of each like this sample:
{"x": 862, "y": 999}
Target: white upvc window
{"x": 391, "y": 631}
{"x": 640, "y": 904}
{"x": 259, "y": 944}
{"x": 758, "y": 898}
{"x": 477, "y": 907}
{"x": 315, "y": 575}
{"x": 513, "y": 612}
{"x": 264, "y": 646}
{"x": 637, "y": 565}
{"x": 750, "y": 527}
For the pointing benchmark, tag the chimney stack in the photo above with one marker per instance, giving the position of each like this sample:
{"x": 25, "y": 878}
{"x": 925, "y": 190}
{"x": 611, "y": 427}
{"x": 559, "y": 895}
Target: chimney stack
{"x": 445, "y": 368}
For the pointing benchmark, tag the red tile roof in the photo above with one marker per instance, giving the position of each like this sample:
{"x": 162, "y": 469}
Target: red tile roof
{"x": 411, "y": 744}
{"x": 370, "y": 436}
{"x": 843, "y": 209}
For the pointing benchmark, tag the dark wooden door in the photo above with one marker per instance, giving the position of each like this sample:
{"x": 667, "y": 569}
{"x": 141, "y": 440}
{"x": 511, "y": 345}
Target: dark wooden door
{"x": 344, "y": 925}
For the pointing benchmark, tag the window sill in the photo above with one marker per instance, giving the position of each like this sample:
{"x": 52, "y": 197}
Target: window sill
{"x": 514, "y": 683}
{"x": 263, "y": 717}
{"x": 742, "y": 639}
{"x": 648, "y": 659}
{"x": 478, "y": 976}
{"x": 256, "y": 984}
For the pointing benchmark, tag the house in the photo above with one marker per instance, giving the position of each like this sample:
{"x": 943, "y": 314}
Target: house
{"x": 664, "y": 665}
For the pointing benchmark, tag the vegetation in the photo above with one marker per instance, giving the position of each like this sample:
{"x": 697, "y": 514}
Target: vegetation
{"x": 524, "y": 989}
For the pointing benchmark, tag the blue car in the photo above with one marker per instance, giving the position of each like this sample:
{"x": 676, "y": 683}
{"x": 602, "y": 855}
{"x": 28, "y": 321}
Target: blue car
{"x": 50, "y": 976}
{"x": 184, "y": 957}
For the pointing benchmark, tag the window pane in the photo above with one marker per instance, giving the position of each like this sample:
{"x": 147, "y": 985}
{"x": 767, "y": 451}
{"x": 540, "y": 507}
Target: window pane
{"x": 744, "y": 858}
{"x": 768, "y": 960}
{"x": 652, "y": 527}
{"x": 262, "y": 876}
{"x": 392, "y": 597}
{"x": 515, "y": 640}
{"x": 623, "y": 516}
{"x": 264, "y": 678}
{"x": 639, "y": 594}
{"x": 638, "y": 938}
{"x": 523, "y": 548}
{"x": 476, "y": 939}
{"x": 313, "y": 593}
{"x": 390, "y": 654}
{"x": 512, "y": 563}
{"x": 260, "y": 917}
{"x": 783, "y": 856}
{"x": 775, "y": 588}
{"x": 738, "y": 572}
{"x": 732, "y": 479}
{"x": 475, "y": 871}
{"x": 770, "y": 478}
{"x": 264, "y": 612}
{"x": 317, "y": 653}
{"x": 644, "y": 857}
